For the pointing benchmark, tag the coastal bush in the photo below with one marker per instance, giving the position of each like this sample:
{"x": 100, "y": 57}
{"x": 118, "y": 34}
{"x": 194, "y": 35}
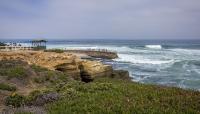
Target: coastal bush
{"x": 32, "y": 96}
{"x": 38, "y": 68}
{"x": 16, "y": 72}
{"x": 38, "y": 80}
{"x": 103, "y": 95}
{"x": 55, "y": 50}
{"x": 116, "y": 96}
{"x": 43, "y": 79}
{"x": 23, "y": 113}
{"x": 7, "y": 87}
{"x": 13, "y": 69}
{"x": 51, "y": 76}
{"x": 15, "y": 100}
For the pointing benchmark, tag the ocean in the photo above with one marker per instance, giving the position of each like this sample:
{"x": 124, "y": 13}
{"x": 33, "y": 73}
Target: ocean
{"x": 164, "y": 62}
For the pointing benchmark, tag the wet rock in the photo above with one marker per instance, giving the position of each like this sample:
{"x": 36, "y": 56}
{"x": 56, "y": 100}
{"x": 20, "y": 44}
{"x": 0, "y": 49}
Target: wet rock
{"x": 104, "y": 54}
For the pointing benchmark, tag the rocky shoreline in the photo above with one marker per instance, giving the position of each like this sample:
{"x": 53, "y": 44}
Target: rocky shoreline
{"x": 36, "y": 82}
{"x": 71, "y": 64}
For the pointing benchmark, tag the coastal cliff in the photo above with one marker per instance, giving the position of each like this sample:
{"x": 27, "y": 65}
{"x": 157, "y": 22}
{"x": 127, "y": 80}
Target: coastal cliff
{"x": 28, "y": 70}
{"x": 56, "y": 83}
{"x": 72, "y": 65}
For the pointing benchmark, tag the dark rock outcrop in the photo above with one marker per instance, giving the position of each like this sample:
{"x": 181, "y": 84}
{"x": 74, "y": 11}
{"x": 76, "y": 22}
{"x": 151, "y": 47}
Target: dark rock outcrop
{"x": 121, "y": 74}
{"x": 46, "y": 98}
{"x": 22, "y": 110}
{"x": 96, "y": 54}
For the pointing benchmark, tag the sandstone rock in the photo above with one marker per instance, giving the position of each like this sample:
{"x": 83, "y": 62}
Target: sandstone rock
{"x": 68, "y": 63}
{"x": 92, "y": 69}
{"x": 45, "y": 59}
{"x": 71, "y": 69}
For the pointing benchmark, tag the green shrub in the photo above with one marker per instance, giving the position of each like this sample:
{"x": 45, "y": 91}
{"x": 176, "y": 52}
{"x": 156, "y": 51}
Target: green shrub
{"x": 38, "y": 80}
{"x": 32, "y": 96}
{"x": 15, "y": 100}
{"x": 38, "y": 68}
{"x": 7, "y": 87}
{"x": 109, "y": 96}
{"x": 23, "y": 113}
{"x": 52, "y": 77}
{"x": 45, "y": 78}
{"x": 16, "y": 72}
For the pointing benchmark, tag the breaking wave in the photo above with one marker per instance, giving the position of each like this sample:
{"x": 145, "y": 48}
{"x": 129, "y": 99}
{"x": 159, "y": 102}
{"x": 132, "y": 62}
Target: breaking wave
{"x": 140, "y": 60}
{"x": 153, "y": 46}
{"x": 165, "y": 63}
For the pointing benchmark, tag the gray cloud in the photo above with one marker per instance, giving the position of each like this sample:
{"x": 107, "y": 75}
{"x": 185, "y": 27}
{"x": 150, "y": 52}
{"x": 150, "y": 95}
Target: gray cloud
{"x": 131, "y": 19}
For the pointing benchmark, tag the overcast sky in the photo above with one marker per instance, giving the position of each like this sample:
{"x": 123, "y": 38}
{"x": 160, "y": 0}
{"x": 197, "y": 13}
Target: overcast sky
{"x": 99, "y": 19}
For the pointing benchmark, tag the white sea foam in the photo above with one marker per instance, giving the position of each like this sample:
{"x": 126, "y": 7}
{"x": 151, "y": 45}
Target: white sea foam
{"x": 186, "y": 51}
{"x": 153, "y": 46}
{"x": 84, "y": 47}
{"x": 135, "y": 59}
{"x": 144, "y": 61}
{"x": 140, "y": 60}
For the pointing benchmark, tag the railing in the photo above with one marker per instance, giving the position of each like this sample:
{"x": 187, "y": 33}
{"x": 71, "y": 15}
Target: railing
{"x": 88, "y": 49}
{"x": 8, "y": 48}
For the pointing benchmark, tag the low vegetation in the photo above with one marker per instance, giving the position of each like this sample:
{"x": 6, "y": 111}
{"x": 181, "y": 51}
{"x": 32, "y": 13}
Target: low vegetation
{"x": 7, "y": 87}
{"x": 102, "y": 96}
{"x": 15, "y": 100}
{"x": 23, "y": 113}
{"x": 16, "y": 72}
{"x": 38, "y": 68}
{"x": 106, "y": 96}
{"x": 13, "y": 69}
{"x": 55, "y": 50}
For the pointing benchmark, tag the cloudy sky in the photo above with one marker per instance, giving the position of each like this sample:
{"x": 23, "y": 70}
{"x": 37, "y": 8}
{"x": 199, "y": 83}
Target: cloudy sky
{"x": 129, "y": 19}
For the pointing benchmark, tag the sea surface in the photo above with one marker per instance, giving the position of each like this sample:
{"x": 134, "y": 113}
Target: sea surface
{"x": 163, "y": 62}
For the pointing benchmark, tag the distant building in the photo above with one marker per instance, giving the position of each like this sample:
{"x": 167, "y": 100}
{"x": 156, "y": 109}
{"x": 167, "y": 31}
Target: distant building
{"x": 39, "y": 44}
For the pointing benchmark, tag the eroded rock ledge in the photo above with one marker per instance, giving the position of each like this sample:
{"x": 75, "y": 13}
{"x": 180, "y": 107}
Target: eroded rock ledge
{"x": 79, "y": 69}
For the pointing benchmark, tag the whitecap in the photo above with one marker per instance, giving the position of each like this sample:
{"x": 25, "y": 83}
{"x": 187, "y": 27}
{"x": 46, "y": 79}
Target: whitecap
{"x": 85, "y": 47}
{"x": 153, "y": 46}
{"x": 140, "y": 60}
{"x": 186, "y": 51}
